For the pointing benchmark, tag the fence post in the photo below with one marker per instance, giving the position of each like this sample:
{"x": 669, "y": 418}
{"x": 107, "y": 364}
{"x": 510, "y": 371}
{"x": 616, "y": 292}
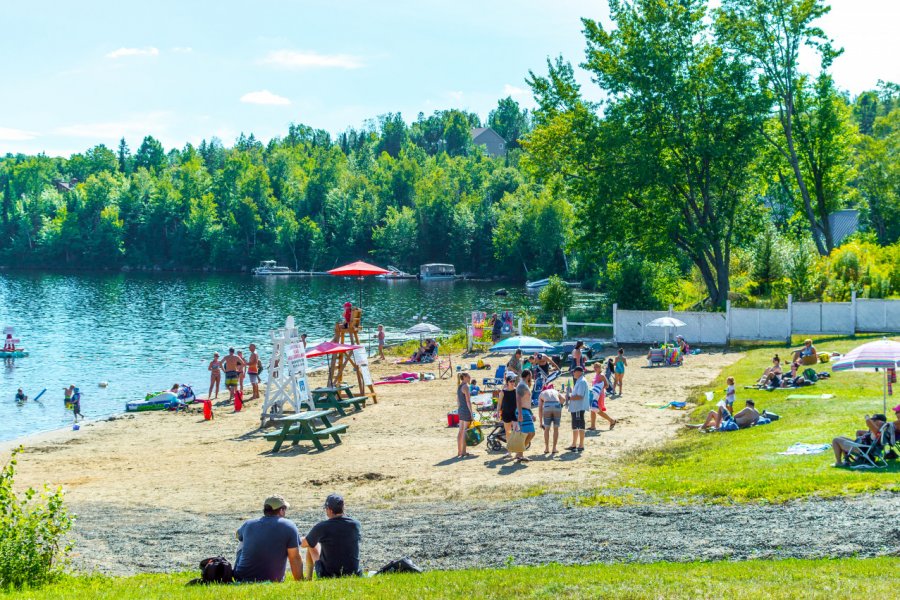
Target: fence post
{"x": 671, "y": 309}
{"x": 727, "y": 322}
{"x": 614, "y": 321}
{"x": 790, "y": 310}
{"x": 520, "y": 325}
{"x": 470, "y": 333}
{"x": 565, "y": 326}
{"x": 853, "y": 311}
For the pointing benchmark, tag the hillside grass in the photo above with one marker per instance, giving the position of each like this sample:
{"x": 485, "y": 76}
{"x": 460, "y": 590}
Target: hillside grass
{"x": 824, "y": 578}
{"x": 745, "y": 465}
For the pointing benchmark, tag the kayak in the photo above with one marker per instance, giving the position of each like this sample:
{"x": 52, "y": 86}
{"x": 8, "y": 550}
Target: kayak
{"x": 158, "y": 402}
{"x": 18, "y": 353}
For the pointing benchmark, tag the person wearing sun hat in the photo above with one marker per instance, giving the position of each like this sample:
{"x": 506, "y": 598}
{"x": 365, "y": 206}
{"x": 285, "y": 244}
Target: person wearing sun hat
{"x": 266, "y": 543}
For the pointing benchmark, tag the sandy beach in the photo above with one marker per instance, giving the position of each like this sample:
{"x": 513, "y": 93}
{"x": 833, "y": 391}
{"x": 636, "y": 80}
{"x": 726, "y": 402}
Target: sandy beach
{"x": 399, "y": 450}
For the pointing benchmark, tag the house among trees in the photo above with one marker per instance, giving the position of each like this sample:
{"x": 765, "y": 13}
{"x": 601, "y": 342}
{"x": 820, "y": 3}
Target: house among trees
{"x": 65, "y": 186}
{"x": 492, "y": 141}
{"x": 843, "y": 223}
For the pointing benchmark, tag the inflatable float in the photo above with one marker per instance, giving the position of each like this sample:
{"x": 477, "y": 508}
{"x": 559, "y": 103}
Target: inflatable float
{"x": 17, "y": 353}
{"x": 162, "y": 400}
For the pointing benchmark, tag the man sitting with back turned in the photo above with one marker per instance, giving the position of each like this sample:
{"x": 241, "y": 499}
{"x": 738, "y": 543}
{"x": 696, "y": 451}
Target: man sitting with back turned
{"x": 265, "y": 544}
{"x": 333, "y": 544}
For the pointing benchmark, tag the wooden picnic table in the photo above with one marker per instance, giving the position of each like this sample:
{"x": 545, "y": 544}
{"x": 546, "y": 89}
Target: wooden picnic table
{"x": 337, "y": 398}
{"x": 304, "y": 426}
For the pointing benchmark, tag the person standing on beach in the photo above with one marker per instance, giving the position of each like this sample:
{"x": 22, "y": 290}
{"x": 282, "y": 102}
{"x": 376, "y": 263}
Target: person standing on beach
{"x": 76, "y": 404}
{"x": 215, "y": 375}
{"x": 303, "y": 340}
{"x": 508, "y": 406}
{"x": 232, "y": 365}
{"x": 464, "y": 412}
{"x": 496, "y": 328}
{"x": 577, "y": 401}
{"x": 523, "y": 411}
{"x": 242, "y": 370}
{"x": 598, "y": 398}
{"x": 253, "y": 371}
{"x": 550, "y": 415}
{"x": 621, "y": 362}
{"x": 381, "y": 342}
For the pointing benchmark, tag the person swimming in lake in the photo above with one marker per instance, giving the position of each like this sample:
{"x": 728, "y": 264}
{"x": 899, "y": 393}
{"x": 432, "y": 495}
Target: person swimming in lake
{"x": 67, "y": 393}
{"x": 21, "y": 397}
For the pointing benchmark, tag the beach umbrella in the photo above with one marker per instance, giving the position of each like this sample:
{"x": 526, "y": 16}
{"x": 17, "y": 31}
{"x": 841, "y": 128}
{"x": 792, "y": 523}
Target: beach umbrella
{"x": 422, "y": 329}
{"x": 330, "y": 349}
{"x": 666, "y": 322}
{"x": 358, "y": 269}
{"x": 883, "y": 354}
{"x": 521, "y": 342}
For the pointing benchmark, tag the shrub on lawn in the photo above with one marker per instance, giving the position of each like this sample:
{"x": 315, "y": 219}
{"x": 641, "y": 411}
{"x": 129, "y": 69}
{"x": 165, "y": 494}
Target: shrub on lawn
{"x": 33, "y": 525}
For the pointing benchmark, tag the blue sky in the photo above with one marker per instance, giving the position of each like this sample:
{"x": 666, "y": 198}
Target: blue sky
{"x": 80, "y": 73}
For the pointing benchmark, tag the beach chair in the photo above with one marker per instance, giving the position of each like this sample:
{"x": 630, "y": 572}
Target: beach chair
{"x": 495, "y": 382}
{"x": 868, "y": 451}
{"x": 445, "y": 368}
{"x": 657, "y": 356}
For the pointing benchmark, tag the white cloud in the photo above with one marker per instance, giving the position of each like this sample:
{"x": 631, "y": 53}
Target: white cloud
{"x": 8, "y": 134}
{"x": 123, "y": 52}
{"x": 511, "y": 90}
{"x": 264, "y": 97}
{"x": 457, "y": 96}
{"x": 155, "y": 123}
{"x": 292, "y": 59}
{"x": 182, "y": 49}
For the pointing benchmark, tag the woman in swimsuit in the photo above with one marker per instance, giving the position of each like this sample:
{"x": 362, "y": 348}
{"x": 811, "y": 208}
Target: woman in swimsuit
{"x": 578, "y": 355}
{"x": 620, "y": 364}
{"x": 215, "y": 375}
{"x": 242, "y": 370}
{"x": 508, "y": 406}
{"x": 598, "y": 398}
{"x": 464, "y": 410}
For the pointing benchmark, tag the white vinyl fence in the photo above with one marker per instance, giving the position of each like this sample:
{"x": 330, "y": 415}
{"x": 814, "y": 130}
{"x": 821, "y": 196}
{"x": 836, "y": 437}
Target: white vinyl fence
{"x": 762, "y": 324}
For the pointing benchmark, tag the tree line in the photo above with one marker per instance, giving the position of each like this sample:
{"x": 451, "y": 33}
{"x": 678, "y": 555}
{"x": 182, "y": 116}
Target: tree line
{"x": 708, "y": 172}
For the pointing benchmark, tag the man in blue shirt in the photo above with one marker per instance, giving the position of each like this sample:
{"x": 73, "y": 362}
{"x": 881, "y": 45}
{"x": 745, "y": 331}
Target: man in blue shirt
{"x": 578, "y": 402}
{"x": 267, "y": 543}
{"x": 333, "y": 544}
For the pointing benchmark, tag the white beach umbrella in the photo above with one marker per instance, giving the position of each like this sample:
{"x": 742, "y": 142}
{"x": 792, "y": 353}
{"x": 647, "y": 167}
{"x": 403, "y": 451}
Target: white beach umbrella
{"x": 666, "y": 322}
{"x": 423, "y": 329}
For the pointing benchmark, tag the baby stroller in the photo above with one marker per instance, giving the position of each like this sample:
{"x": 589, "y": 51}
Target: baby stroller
{"x": 496, "y": 438}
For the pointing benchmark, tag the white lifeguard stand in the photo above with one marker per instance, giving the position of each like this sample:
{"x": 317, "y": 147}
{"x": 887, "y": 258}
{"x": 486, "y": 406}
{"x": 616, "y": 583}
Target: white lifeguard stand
{"x": 286, "y": 386}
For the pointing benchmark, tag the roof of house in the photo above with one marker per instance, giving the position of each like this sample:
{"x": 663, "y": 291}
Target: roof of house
{"x": 843, "y": 223}
{"x": 477, "y": 132}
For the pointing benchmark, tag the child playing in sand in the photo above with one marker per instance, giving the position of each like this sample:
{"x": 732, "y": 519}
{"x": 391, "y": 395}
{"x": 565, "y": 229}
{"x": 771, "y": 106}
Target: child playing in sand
{"x": 381, "y": 342}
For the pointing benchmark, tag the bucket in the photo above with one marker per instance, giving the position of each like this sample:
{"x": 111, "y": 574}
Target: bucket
{"x": 452, "y": 419}
{"x": 710, "y": 396}
{"x": 76, "y": 427}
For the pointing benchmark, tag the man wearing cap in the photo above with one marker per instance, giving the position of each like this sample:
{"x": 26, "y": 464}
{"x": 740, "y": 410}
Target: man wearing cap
{"x": 579, "y": 403}
{"x": 266, "y": 543}
{"x": 333, "y": 544}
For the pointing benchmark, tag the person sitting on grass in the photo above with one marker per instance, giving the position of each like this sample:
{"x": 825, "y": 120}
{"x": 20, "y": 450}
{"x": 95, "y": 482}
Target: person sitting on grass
{"x": 747, "y": 417}
{"x": 266, "y": 543}
{"x": 807, "y": 353}
{"x": 771, "y": 377}
{"x": 844, "y": 447}
{"x": 332, "y": 545}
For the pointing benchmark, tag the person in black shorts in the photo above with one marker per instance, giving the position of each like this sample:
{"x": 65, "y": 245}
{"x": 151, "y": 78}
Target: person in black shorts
{"x": 508, "y": 405}
{"x": 332, "y": 545}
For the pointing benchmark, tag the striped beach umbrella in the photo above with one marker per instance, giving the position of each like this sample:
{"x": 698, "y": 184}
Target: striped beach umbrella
{"x": 882, "y": 355}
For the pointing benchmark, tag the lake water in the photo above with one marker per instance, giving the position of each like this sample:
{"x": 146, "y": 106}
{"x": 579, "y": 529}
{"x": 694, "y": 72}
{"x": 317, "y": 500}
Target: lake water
{"x": 144, "y": 332}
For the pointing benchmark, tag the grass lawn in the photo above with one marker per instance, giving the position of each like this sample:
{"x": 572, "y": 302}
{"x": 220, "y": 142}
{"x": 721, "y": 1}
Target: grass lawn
{"x": 745, "y": 465}
{"x": 824, "y": 578}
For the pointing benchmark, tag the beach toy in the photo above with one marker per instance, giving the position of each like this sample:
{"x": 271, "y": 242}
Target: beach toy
{"x": 710, "y": 396}
{"x": 238, "y": 400}
{"x": 103, "y": 384}
{"x": 76, "y": 427}
{"x": 207, "y": 410}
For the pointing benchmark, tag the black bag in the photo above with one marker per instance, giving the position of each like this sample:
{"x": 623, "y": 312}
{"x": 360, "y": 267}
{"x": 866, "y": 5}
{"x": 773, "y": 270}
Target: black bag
{"x": 404, "y": 565}
{"x": 216, "y": 570}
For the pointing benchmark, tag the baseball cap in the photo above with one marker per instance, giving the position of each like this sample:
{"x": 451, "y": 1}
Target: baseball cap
{"x": 335, "y": 502}
{"x": 510, "y": 376}
{"x": 897, "y": 408}
{"x": 276, "y": 502}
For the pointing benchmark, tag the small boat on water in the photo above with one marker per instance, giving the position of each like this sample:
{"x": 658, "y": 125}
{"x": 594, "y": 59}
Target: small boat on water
{"x": 437, "y": 271}
{"x": 270, "y": 267}
{"x": 542, "y": 283}
{"x": 395, "y": 274}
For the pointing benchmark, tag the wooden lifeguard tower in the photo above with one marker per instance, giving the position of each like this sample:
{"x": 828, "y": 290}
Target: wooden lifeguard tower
{"x": 349, "y": 334}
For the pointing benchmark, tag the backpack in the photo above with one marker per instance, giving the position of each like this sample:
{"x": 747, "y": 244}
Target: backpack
{"x": 216, "y": 570}
{"x": 404, "y": 565}
{"x": 810, "y": 375}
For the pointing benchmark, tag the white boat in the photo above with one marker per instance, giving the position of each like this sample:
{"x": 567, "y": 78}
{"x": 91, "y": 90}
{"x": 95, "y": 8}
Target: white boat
{"x": 270, "y": 267}
{"x": 542, "y": 283}
{"x": 435, "y": 271}
{"x": 395, "y": 273}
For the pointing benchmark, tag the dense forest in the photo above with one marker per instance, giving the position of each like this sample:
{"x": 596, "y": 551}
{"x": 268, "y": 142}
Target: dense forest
{"x": 708, "y": 172}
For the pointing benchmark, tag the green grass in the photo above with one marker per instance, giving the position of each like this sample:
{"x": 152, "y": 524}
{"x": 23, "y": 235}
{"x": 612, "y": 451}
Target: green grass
{"x": 744, "y": 465}
{"x": 840, "y": 578}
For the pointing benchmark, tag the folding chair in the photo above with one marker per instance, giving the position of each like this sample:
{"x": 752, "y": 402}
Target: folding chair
{"x": 868, "y": 451}
{"x": 445, "y": 368}
{"x": 495, "y": 382}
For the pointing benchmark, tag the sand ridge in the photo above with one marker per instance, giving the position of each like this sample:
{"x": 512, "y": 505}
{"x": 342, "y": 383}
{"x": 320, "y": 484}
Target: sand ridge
{"x": 399, "y": 450}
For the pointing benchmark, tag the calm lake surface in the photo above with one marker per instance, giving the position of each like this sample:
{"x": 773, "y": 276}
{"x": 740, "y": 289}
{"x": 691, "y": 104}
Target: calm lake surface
{"x": 144, "y": 332}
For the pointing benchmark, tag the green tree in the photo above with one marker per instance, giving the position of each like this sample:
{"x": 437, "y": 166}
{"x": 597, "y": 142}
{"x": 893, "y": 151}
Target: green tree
{"x": 556, "y": 296}
{"x": 150, "y": 155}
{"x": 457, "y": 133}
{"x": 510, "y": 121}
{"x": 396, "y": 239}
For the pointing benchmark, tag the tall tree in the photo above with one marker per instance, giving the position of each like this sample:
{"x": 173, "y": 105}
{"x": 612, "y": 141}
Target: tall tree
{"x": 770, "y": 34}
{"x": 510, "y": 121}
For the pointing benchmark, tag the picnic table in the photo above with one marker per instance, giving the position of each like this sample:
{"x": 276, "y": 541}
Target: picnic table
{"x": 304, "y": 426}
{"x": 337, "y": 398}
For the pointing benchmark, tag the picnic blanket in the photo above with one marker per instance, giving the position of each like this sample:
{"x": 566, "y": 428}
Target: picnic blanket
{"x": 810, "y": 396}
{"x": 801, "y": 448}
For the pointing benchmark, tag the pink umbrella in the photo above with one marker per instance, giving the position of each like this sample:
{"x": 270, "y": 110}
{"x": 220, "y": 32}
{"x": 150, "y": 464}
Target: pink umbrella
{"x": 883, "y": 354}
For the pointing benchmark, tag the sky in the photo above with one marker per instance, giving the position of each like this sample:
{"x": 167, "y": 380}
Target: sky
{"x": 76, "y": 74}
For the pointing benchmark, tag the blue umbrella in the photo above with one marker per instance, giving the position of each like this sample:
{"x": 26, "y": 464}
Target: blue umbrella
{"x": 523, "y": 343}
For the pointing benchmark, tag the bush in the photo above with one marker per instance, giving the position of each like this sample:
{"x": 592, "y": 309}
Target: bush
{"x": 557, "y": 296}
{"x": 33, "y": 526}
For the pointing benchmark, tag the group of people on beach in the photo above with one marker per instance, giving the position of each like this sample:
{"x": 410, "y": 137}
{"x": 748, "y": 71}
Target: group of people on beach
{"x": 237, "y": 368}
{"x": 520, "y": 386}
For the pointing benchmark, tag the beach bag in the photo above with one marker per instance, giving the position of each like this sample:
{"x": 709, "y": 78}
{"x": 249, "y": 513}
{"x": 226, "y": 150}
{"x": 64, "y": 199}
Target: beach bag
{"x": 216, "y": 570}
{"x": 729, "y": 425}
{"x": 474, "y": 436}
{"x": 516, "y": 442}
{"x": 763, "y": 421}
{"x": 404, "y": 565}
{"x": 810, "y": 375}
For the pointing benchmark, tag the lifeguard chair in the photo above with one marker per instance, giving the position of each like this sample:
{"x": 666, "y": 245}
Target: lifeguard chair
{"x": 349, "y": 334}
